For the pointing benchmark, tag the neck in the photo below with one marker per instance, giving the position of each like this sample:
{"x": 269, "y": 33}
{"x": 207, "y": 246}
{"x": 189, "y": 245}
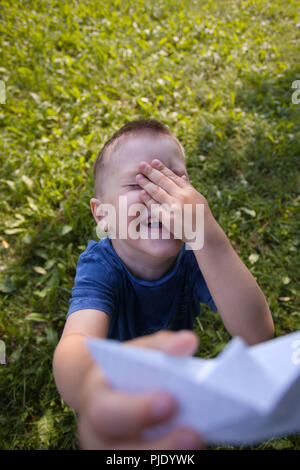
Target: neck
{"x": 144, "y": 266}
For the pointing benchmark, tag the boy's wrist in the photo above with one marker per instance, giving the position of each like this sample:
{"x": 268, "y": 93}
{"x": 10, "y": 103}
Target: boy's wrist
{"x": 208, "y": 223}
{"x": 92, "y": 381}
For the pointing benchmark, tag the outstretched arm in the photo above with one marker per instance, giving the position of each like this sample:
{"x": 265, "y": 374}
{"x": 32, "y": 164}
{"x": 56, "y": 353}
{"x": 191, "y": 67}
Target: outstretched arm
{"x": 237, "y": 296}
{"x": 111, "y": 419}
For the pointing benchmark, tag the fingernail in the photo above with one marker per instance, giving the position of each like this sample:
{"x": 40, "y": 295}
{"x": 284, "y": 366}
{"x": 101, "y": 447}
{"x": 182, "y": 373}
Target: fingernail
{"x": 188, "y": 442}
{"x": 143, "y": 166}
{"x": 156, "y": 163}
{"x": 162, "y": 407}
{"x": 139, "y": 176}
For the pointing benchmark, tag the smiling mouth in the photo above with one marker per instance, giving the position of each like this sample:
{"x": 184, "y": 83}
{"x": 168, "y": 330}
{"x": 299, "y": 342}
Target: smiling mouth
{"x": 151, "y": 225}
{"x": 154, "y": 231}
{"x": 154, "y": 225}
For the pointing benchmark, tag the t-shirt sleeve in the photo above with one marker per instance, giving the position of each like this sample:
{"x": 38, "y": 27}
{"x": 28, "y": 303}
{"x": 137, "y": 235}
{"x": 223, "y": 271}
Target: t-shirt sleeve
{"x": 200, "y": 290}
{"x": 93, "y": 286}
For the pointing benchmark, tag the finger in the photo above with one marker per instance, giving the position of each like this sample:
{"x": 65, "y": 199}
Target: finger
{"x": 178, "y": 343}
{"x": 157, "y": 177}
{"x": 155, "y": 191}
{"x": 169, "y": 173}
{"x": 179, "y": 439}
{"x": 119, "y": 415}
{"x": 147, "y": 199}
{"x": 152, "y": 204}
{"x": 160, "y": 212}
{"x": 185, "y": 177}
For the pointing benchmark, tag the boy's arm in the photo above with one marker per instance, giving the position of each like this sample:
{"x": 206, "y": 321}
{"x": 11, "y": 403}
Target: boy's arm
{"x": 72, "y": 363}
{"x": 237, "y": 296}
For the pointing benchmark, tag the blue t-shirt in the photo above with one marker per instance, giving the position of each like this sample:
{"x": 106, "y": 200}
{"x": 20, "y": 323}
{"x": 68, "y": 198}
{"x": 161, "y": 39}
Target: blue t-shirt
{"x": 138, "y": 307}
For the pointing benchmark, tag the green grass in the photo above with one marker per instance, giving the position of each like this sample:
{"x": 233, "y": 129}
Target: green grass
{"x": 219, "y": 74}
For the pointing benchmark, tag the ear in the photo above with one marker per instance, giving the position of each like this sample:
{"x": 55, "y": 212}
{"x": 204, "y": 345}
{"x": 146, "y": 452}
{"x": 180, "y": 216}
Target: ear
{"x": 96, "y": 211}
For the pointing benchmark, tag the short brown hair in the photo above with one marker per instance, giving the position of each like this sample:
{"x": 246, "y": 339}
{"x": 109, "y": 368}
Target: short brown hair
{"x": 131, "y": 127}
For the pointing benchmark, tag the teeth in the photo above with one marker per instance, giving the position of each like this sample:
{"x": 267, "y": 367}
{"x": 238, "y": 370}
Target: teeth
{"x": 154, "y": 225}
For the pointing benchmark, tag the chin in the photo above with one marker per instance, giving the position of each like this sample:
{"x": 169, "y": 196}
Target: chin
{"x": 159, "y": 248}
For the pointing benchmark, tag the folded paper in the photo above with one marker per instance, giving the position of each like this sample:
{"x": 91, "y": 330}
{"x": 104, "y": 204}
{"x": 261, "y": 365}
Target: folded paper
{"x": 246, "y": 395}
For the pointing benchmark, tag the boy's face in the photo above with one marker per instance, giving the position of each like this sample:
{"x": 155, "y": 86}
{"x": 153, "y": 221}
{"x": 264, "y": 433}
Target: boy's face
{"x": 121, "y": 181}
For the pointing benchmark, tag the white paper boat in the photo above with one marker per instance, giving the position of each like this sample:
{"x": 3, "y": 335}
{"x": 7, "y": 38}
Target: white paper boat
{"x": 246, "y": 395}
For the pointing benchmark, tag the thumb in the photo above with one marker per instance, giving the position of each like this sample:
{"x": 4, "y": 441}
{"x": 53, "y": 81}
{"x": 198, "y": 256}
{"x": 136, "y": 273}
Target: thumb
{"x": 177, "y": 343}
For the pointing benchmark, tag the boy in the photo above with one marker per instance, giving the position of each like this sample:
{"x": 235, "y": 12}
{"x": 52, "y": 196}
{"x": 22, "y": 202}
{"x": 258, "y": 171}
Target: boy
{"x": 137, "y": 289}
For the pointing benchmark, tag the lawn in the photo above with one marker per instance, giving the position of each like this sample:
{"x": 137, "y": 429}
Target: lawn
{"x": 220, "y": 75}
